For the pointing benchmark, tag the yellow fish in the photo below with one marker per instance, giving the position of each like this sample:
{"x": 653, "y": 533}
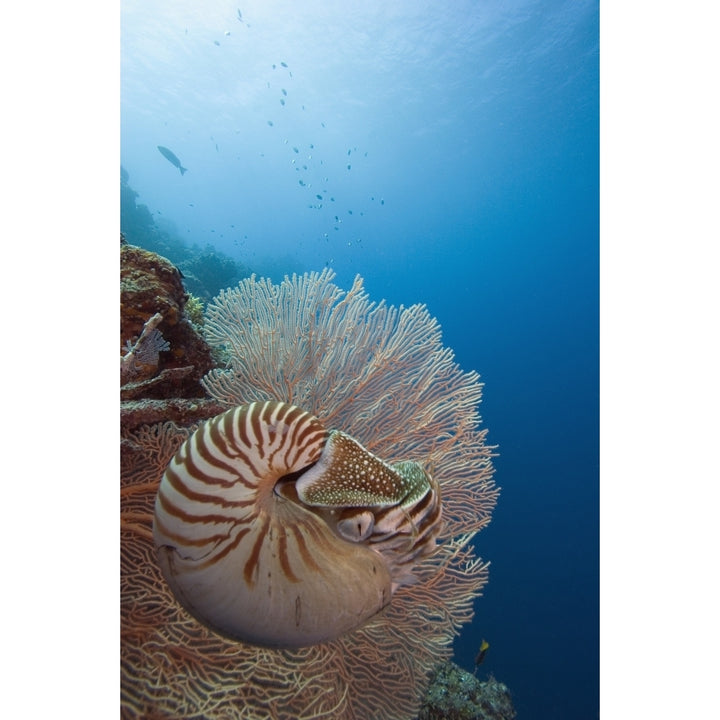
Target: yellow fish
{"x": 484, "y": 645}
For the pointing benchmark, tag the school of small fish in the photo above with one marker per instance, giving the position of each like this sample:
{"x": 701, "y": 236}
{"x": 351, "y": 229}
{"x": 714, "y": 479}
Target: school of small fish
{"x": 314, "y": 168}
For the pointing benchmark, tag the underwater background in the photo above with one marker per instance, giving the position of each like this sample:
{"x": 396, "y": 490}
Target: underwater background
{"x": 448, "y": 153}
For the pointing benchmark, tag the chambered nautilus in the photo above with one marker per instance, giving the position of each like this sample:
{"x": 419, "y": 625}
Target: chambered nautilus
{"x": 273, "y": 530}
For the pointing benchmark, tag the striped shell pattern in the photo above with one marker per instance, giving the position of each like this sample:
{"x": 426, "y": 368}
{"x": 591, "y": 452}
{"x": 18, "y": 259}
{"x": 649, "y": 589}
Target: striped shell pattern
{"x": 273, "y": 530}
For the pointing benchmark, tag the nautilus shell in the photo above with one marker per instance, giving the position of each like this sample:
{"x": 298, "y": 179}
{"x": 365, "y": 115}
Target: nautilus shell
{"x": 273, "y": 530}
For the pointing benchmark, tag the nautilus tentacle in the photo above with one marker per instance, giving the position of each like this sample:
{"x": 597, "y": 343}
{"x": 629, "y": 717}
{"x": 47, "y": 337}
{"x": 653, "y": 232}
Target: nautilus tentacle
{"x": 272, "y": 530}
{"x": 396, "y": 509}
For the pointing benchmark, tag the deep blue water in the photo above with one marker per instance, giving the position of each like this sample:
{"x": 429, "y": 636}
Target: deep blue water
{"x": 472, "y": 133}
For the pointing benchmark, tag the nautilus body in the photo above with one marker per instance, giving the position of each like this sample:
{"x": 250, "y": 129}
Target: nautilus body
{"x": 273, "y": 530}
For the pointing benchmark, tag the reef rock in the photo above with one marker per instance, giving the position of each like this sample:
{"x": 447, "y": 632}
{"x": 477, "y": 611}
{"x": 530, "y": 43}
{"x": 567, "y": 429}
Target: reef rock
{"x": 455, "y": 694}
{"x": 179, "y": 356}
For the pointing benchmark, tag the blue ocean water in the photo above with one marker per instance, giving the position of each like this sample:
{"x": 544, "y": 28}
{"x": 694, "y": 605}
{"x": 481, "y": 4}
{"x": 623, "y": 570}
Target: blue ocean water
{"x": 448, "y": 153}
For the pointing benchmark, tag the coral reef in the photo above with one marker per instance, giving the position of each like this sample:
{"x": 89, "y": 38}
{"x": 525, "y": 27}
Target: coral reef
{"x": 136, "y": 221}
{"x": 381, "y": 374}
{"x": 206, "y": 270}
{"x": 455, "y": 694}
{"x": 183, "y": 411}
{"x": 162, "y": 354}
{"x": 194, "y": 311}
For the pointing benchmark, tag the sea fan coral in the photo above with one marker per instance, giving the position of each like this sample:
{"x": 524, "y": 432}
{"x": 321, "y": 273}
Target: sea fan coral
{"x": 381, "y": 374}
